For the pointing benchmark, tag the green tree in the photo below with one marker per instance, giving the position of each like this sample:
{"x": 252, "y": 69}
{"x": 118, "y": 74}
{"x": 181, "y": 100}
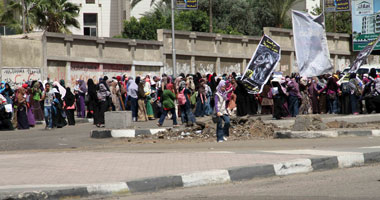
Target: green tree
{"x": 343, "y": 21}
{"x": 279, "y": 9}
{"x": 8, "y": 16}
{"x": 54, "y": 15}
{"x": 160, "y": 18}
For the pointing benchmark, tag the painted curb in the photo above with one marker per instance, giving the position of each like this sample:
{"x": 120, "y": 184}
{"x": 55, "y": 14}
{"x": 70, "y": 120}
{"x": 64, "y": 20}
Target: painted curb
{"x": 194, "y": 179}
{"x": 319, "y": 134}
{"x": 123, "y": 133}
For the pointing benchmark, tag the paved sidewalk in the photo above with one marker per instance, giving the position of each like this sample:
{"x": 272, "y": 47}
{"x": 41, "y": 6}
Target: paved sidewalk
{"x": 55, "y": 175}
{"x": 98, "y": 167}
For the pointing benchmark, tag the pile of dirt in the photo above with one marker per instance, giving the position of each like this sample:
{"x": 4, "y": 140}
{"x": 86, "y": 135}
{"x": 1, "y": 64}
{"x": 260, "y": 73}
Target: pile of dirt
{"x": 308, "y": 123}
{"x": 241, "y": 129}
{"x": 341, "y": 124}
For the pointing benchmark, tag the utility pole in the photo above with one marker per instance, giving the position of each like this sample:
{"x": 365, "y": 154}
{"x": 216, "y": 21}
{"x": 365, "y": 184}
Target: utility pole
{"x": 173, "y": 43}
{"x": 210, "y": 22}
{"x": 23, "y": 17}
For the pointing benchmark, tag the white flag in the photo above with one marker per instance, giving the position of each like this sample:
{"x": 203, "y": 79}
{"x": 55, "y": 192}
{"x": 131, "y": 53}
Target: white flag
{"x": 312, "y": 52}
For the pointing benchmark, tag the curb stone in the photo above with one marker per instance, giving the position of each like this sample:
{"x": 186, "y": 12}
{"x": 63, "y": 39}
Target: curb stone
{"x": 122, "y": 133}
{"x": 197, "y": 178}
{"x": 320, "y": 134}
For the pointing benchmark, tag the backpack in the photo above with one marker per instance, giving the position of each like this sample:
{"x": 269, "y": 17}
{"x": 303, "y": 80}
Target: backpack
{"x": 346, "y": 88}
{"x": 181, "y": 98}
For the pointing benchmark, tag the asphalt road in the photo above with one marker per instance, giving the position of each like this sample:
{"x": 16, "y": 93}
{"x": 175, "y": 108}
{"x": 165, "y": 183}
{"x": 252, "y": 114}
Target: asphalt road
{"x": 77, "y": 138}
{"x": 340, "y": 184}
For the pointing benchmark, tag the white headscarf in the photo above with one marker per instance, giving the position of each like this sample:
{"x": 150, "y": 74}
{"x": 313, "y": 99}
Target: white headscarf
{"x": 61, "y": 89}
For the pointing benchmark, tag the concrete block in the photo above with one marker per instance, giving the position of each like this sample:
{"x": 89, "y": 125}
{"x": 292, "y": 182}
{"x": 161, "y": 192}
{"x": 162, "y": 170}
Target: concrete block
{"x": 324, "y": 163}
{"x": 247, "y": 173}
{"x": 372, "y": 157}
{"x": 155, "y": 184}
{"x": 98, "y": 134}
{"x": 118, "y": 119}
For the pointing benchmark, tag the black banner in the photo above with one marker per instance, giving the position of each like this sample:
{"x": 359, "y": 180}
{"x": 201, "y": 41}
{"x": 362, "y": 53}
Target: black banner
{"x": 362, "y": 56}
{"x": 261, "y": 66}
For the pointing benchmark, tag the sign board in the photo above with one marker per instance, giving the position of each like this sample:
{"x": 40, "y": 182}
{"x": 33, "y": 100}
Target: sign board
{"x": 365, "y": 20}
{"x": 187, "y": 4}
{"x": 262, "y": 65}
{"x": 337, "y": 5}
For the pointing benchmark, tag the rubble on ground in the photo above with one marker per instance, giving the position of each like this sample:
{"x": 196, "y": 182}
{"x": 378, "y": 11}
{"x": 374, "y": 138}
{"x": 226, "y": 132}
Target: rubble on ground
{"x": 341, "y": 124}
{"x": 242, "y": 128}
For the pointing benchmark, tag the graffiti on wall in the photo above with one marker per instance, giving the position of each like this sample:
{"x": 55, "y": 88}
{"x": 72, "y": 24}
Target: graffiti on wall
{"x": 181, "y": 68}
{"x": 143, "y": 71}
{"x": 342, "y": 63}
{"x": 116, "y": 70}
{"x": 206, "y": 68}
{"x": 56, "y": 73}
{"x": 17, "y": 76}
{"x": 84, "y": 71}
{"x": 228, "y": 69}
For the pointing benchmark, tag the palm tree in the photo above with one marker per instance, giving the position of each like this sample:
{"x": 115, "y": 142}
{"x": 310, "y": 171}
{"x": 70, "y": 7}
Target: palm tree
{"x": 279, "y": 10}
{"x": 8, "y": 15}
{"x": 54, "y": 15}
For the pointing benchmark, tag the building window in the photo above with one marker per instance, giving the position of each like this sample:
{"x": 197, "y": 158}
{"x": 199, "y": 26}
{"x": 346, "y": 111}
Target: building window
{"x": 90, "y": 22}
{"x": 90, "y": 1}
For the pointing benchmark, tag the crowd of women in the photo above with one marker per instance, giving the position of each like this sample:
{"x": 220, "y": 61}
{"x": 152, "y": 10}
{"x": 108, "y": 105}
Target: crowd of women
{"x": 187, "y": 96}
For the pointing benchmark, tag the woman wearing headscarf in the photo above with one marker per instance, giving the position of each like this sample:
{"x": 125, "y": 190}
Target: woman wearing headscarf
{"x": 305, "y": 107}
{"x": 22, "y": 118}
{"x": 313, "y": 93}
{"x": 115, "y": 93}
{"x": 332, "y": 95}
{"x": 142, "y": 114}
{"x": 266, "y": 103}
{"x": 29, "y": 106}
{"x": 132, "y": 96}
{"x": 103, "y": 94}
{"x": 36, "y": 95}
{"x": 92, "y": 98}
{"x": 279, "y": 96}
{"x": 168, "y": 98}
{"x": 60, "y": 89}
{"x": 59, "y": 120}
{"x": 148, "y": 91}
{"x": 185, "y": 105}
{"x": 222, "y": 132}
{"x": 8, "y": 93}
{"x": 2, "y": 86}
{"x": 69, "y": 106}
{"x": 201, "y": 99}
{"x": 355, "y": 93}
{"x": 81, "y": 94}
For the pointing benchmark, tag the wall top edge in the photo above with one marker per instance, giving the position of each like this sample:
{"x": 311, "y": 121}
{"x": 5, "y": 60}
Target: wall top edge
{"x": 214, "y": 35}
{"x": 101, "y": 39}
{"x": 290, "y": 31}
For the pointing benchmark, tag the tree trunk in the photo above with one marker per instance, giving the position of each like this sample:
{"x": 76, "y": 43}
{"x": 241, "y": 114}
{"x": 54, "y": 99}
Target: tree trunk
{"x": 210, "y": 22}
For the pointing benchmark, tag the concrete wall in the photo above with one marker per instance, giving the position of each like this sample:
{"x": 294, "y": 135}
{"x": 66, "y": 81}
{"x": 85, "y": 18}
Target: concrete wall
{"x": 207, "y": 52}
{"x": 72, "y": 57}
{"x": 20, "y": 60}
{"x": 84, "y": 57}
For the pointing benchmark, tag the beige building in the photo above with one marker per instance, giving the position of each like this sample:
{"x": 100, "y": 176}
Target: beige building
{"x": 101, "y": 18}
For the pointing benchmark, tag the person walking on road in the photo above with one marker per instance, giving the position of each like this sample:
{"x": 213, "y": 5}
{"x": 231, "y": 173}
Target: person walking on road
{"x": 222, "y": 132}
{"x": 168, "y": 98}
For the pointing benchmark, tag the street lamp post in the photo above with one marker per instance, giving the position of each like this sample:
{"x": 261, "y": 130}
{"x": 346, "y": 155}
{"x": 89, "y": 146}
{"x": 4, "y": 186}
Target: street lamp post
{"x": 173, "y": 43}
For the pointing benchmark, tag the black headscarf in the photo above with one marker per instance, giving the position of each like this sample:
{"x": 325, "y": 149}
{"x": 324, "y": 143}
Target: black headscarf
{"x": 69, "y": 97}
{"x": 138, "y": 79}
